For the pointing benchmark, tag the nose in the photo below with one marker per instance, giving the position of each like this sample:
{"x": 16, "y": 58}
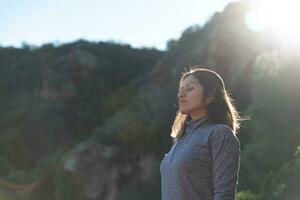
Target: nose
{"x": 180, "y": 95}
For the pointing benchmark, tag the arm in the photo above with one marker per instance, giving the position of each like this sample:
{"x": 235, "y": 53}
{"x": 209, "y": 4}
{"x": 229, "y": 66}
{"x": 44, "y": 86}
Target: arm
{"x": 225, "y": 151}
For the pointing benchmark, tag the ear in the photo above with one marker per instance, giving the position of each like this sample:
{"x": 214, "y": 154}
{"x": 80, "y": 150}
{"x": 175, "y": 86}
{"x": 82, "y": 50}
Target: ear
{"x": 210, "y": 97}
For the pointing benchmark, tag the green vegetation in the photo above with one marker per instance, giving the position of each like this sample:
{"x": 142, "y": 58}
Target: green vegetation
{"x": 64, "y": 107}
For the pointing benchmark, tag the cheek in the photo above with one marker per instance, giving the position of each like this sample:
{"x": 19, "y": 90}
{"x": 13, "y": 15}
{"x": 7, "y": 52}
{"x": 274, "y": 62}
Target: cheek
{"x": 195, "y": 98}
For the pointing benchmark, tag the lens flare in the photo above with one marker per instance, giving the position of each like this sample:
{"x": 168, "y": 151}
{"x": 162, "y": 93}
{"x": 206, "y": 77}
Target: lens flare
{"x": 279, "y": 17}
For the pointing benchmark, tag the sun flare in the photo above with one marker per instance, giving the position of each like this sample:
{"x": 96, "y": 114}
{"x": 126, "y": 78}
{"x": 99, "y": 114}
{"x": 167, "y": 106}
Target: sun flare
{"x": 280, "y": 17}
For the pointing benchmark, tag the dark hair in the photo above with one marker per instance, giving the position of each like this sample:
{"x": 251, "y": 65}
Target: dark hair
{"x": 220, "y": 110}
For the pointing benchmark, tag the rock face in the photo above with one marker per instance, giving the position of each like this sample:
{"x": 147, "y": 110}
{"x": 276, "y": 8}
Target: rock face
{"x": 60, "y": 80}
{"x": 99, "y": 170}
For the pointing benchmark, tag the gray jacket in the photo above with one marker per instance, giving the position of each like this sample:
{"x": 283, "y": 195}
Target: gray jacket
{"x": 203, "y": 164}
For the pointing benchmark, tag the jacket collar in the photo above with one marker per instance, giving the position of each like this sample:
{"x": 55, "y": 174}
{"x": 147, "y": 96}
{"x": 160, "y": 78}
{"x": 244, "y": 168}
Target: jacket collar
{"x": 193, "y": 123}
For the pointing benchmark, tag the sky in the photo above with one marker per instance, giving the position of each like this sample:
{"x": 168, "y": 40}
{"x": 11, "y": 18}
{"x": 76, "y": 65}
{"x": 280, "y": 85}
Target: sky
{"x": 140, "y": 23}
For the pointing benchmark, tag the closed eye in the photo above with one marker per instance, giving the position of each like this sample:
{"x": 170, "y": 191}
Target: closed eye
{"x": 188, "y": 89}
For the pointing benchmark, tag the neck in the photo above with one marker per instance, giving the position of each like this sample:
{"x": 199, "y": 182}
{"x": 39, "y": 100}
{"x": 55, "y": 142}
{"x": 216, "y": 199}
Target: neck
{"x": 198, "y": 114}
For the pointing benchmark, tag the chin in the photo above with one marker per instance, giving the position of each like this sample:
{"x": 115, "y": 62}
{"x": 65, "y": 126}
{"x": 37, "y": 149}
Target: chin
{"x": 183, "y": 111}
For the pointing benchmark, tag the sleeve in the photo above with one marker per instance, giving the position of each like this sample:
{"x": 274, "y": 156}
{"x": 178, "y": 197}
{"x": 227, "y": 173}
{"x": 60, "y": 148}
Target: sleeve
{"x": 225, "y": 151}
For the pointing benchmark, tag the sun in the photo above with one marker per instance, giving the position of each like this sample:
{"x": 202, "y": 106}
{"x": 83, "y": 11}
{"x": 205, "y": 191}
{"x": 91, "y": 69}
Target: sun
{"x": 280, "y": 17}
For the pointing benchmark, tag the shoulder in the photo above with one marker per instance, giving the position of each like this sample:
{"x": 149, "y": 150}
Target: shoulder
{"x": 221, "y": 132}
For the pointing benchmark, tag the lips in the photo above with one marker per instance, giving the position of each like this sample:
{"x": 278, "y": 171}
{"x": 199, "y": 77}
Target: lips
{"x": 181, "y": 101}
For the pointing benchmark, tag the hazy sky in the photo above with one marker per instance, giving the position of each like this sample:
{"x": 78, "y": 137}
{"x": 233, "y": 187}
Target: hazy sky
{"x": 140, "y": 23}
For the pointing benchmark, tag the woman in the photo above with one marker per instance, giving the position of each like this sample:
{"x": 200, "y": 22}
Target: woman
{"x": 203, "y": 162}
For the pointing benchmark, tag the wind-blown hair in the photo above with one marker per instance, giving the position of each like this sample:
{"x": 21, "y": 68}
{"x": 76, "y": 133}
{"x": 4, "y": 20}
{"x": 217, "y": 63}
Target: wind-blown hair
{"x": 220, "y": 110}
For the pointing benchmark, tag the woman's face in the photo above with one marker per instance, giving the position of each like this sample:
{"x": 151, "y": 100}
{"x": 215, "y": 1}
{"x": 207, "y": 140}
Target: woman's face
{"x": 190, "y": 96}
